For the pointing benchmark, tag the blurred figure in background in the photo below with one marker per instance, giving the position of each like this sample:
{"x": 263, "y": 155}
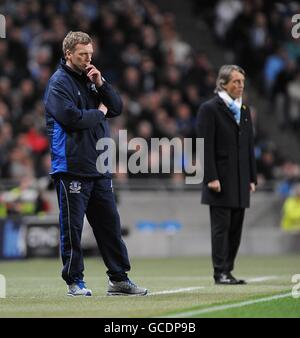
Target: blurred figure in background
{"x": 291, "y": 212}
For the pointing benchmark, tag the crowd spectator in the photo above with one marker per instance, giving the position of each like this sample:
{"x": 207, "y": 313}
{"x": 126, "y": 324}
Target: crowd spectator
{"x": 259, "y": 33}
{"x": 291, "y": 211}
{"x": 161, "y": 78}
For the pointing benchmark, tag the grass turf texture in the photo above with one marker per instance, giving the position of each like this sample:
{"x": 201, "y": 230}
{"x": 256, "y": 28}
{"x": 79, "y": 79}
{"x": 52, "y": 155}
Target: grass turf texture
{"x": 34, "y": 289}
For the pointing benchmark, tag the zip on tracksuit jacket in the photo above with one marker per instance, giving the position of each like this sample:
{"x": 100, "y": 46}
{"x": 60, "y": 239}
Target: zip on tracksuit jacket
{"x": 74, "y": 123}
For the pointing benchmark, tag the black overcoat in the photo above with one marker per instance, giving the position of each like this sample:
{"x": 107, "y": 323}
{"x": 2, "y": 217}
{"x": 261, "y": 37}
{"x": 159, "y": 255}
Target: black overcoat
{"x": 228, "y": 154}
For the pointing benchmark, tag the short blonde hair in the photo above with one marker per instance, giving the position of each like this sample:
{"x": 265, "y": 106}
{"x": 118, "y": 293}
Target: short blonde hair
{"x": 224, "y": 75}
{"x": 73, "y": 38}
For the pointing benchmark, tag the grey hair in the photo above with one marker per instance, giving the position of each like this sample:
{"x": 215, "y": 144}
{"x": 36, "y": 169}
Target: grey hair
{"x": 225, "y": 75}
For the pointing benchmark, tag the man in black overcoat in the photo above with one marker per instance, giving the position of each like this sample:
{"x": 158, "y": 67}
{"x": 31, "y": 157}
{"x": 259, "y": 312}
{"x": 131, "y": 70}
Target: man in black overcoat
{"x": 229, "y": 168}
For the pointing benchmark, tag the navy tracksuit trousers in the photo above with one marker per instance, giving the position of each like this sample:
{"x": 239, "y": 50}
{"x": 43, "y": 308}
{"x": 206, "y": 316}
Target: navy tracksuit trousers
{"x": 94, "y": 197}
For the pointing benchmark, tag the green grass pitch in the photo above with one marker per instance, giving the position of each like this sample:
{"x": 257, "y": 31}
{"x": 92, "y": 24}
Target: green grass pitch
{"x": 178, "y": 287}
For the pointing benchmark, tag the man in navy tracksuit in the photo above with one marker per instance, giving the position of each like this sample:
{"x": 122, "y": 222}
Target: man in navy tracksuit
{"x": 78, "y": 102}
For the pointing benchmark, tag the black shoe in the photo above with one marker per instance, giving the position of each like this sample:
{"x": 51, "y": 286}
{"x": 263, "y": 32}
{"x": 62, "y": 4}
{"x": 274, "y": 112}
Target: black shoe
{"x": 228, "y": 279}
{"x": 238, "y": 281}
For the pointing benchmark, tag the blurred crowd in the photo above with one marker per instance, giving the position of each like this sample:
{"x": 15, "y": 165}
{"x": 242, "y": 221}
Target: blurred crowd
{"x": 257, "y": 34}
{"x": 161, "y": 78}
{"x": 260, "y": 34}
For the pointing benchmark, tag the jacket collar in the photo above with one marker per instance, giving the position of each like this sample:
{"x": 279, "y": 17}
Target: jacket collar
{"x": 227, "y": 111}
{"x": 229, "y": 100}
{"x": 69, "y": 70}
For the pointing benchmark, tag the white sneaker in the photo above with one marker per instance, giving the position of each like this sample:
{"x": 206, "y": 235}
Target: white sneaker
{"x": 124, "y": 288}
{"x": 79, "y": 289}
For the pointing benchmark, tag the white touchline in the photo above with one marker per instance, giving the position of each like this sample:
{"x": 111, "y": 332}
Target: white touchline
{"x": 262, "y": 279}
{"x": 166, "y": 292}
{"x": 188, "y": 314}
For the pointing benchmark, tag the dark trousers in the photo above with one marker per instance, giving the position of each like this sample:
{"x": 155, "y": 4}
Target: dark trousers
{"x": 226, "y": 231}
{"x": 93, "y": 197}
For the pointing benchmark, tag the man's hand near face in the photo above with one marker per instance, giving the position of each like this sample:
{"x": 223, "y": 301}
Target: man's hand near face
{"x": 94, "y": 75}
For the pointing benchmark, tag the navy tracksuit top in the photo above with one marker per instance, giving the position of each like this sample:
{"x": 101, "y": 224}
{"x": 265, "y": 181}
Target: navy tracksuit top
{"x": 74, "y": 123}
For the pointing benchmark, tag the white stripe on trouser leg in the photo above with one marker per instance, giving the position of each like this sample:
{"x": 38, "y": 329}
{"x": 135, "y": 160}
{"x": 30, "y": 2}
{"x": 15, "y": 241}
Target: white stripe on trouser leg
{"x": 69, "y": 224}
